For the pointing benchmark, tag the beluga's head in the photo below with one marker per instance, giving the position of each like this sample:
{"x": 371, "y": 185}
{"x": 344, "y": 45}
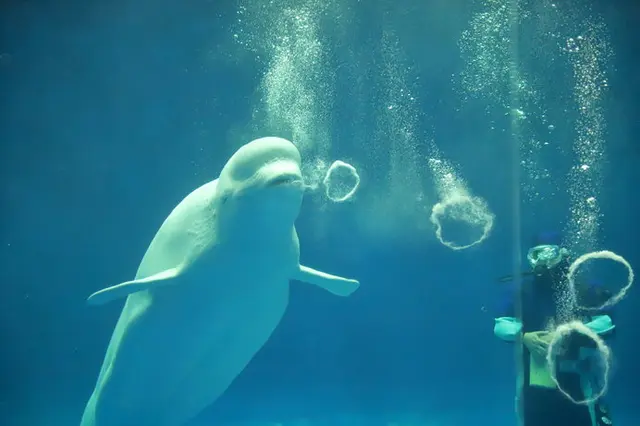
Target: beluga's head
{"x": 261, "y": 185}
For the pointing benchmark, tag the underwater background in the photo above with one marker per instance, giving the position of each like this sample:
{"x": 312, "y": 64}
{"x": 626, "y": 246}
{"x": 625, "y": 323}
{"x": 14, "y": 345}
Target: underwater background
{"x": 113, "y": 111}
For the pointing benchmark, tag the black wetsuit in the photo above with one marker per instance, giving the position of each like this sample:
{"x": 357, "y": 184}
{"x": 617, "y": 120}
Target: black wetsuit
{"x": 541, "y": 406}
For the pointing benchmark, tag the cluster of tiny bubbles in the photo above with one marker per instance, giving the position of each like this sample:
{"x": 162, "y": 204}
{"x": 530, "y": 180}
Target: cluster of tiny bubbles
{"x": 341, "y": 182}
{"x": 393, "y": 148}
{"x": 589, "y": 54}
{"x": 528, "y": 116}
{"x": 565, "y": 302}
{"x": 296, "y": 91}
{"x": 259, "y": 25}
{"x": 536, "y": 179}
{"x": 457, "y": 205}
{"x": 313, "y": 172}
{"x": 584, "y": 223}
{"x": 398, "y": 121}
{"x": 491, "y": 72}
{"x": 242, "y": 36}
{"x": 485, "y": 46}
{"x": 289, "y": 85}
{"x": 594, "y": 364}
{"x": 604, "y": 254}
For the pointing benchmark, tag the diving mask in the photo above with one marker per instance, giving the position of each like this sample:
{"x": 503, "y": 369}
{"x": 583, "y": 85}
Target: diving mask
{"x": 545, "y": 256}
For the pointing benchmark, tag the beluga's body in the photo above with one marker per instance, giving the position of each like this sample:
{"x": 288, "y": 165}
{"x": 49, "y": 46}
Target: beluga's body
{"x": 210, "y": 290}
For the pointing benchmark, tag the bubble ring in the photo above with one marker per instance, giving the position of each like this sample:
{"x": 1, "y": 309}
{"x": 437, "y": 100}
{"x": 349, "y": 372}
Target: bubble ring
{"x": 439, "y": 209}
{"x": 603, "y": 254}
{"x": 563, "y": 331}
{"x": 326, "y": 182}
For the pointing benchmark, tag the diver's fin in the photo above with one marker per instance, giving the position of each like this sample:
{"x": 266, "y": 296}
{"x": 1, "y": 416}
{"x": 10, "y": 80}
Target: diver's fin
{"x": 333, "y": 284}
{"x": 126, "y": 288}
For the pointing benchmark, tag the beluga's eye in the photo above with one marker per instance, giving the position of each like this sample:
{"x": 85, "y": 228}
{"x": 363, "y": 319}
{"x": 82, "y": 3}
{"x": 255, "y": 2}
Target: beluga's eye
{"x": 224, "y": 198}
{"x": 281, "y": 181}
{"x": 284, "y": 180}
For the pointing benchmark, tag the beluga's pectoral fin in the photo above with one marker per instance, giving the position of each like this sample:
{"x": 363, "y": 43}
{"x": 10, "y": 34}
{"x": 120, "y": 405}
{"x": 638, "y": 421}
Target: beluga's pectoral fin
{"x": 339, "y": 286}
{"x": 126, "y": 288}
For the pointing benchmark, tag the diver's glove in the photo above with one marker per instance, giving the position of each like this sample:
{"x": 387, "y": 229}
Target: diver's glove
{"x": 507, "y": 328}
{"x": 601, "y": 324}
{"x": 538, "y": 342}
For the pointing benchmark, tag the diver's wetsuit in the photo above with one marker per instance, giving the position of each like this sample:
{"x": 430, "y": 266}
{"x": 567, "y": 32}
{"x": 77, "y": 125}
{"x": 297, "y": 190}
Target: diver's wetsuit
{"x": 545, "y": 406}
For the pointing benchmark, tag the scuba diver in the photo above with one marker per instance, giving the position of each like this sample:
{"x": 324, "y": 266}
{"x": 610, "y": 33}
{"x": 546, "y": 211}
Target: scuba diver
{"x": 539, "y": 402}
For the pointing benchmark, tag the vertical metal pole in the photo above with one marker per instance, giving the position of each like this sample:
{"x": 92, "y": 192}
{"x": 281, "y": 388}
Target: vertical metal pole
{"x": 515, "y": 152}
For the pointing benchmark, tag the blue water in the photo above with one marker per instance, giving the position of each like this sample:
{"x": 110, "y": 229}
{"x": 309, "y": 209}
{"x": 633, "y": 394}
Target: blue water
{"x": 113, "y": 112}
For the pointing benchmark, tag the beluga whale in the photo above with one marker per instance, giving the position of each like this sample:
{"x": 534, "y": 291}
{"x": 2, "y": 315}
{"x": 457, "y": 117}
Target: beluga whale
{"x": 209, "y": 292}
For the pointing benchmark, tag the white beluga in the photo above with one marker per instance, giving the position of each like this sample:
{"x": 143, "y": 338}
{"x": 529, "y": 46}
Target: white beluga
{"x": 210, "y": 290}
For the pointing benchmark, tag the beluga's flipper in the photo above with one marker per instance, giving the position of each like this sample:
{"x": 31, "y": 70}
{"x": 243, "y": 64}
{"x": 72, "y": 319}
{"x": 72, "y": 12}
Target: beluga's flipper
{"x": 122, "y": 290}
{"x": 334, "y": 284}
